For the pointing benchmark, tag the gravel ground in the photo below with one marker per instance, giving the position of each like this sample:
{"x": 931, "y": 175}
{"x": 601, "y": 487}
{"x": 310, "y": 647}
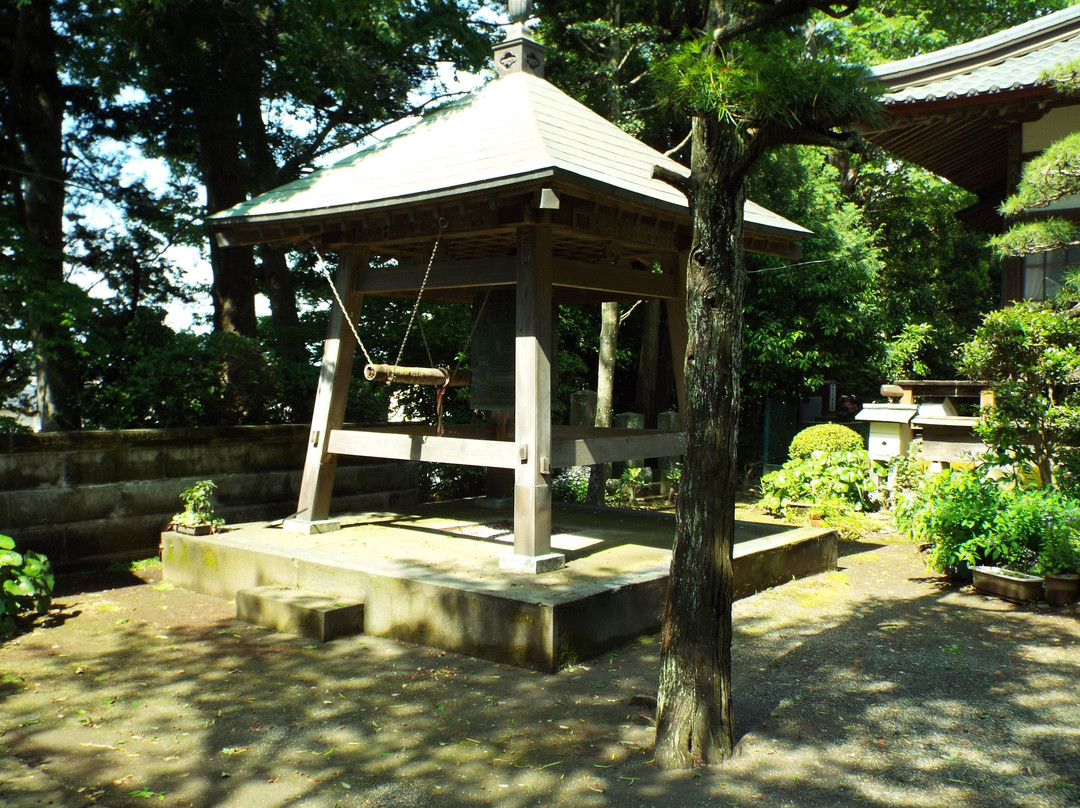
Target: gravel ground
{"x": 874, "y": 685}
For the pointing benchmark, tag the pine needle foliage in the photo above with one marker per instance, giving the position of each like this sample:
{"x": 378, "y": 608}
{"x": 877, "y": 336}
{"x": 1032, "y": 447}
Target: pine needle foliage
{"x": 1052, "y": 175}
{"x": 772, "y": 87}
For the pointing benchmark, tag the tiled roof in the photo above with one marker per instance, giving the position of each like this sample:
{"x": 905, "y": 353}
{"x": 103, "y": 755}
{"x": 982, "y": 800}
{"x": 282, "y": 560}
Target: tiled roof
{"x": 515, "y": 129}
{"x": 1013, "y": 59}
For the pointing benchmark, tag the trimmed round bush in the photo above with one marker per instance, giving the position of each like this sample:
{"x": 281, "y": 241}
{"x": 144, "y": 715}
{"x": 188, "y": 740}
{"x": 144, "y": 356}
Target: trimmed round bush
{"x": 825, "y": 437}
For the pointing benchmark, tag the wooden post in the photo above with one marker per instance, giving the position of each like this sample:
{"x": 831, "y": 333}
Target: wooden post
{"x": 675, "y": 264}
{"x": 317, "y": 483}
{"x": 532, "y": 406}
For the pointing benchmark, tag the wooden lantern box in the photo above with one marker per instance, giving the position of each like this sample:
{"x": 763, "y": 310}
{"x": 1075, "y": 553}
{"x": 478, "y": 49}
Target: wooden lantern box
{"x": 890, "y": 429}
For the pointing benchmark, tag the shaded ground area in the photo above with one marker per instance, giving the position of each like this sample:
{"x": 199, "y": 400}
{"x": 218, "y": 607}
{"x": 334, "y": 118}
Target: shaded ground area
{"x": 874, "y": 685}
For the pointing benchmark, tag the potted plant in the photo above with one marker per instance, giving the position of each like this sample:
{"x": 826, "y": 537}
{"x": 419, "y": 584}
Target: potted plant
{"x": 198, "y": 517}
{"x": 1059, "y": 562}
{"x": 1018, "y": 587}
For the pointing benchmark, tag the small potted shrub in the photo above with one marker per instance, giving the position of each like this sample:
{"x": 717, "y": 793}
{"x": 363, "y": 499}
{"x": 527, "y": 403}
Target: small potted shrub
{"x": 1058, "y": 563}
{"x": 198, "y": 517}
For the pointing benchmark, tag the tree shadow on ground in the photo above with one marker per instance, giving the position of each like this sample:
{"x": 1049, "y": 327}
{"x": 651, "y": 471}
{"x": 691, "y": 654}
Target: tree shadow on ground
{"x": 847, "y": 693}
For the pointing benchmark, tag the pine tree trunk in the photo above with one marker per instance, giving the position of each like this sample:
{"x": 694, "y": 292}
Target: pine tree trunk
{"x": 695, "y": 721}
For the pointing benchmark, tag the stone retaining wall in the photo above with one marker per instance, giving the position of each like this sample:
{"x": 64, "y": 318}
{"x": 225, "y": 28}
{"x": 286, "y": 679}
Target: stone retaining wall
{"x": 84, "y": 497}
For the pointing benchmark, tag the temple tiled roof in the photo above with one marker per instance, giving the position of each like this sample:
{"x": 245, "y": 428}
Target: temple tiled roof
{"x": 516, "y": 129}
{"x": 1014, "y": 59}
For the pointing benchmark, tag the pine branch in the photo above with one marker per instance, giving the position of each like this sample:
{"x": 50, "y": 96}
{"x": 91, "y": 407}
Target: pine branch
{"x": 682, "y": 143}
{"x": 764, "y": 140}
{"x": 674, "y": 179}
{"x": 847, "y": 141}
{"x": 776, "y": 11}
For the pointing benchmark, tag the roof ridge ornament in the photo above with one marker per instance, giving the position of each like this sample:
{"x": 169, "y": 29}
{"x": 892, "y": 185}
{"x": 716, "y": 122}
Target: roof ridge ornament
{"x": 520, "y": 10}
{"x": 519, "y": 52}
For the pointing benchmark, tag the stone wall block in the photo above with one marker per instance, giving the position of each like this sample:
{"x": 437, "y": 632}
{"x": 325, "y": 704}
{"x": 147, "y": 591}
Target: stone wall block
{"x": 47, "y": 539}
{"x": 351, "y": 479}
{"x": 241, "y": 514}
{"x": 360, "y": 503}
{"x": 404, "y": 498}
{"x": 60, "y": 505}
{"x": 90, "y": 467}
{"x": 20, "y": 470}
{"x": 277, "y": 455}
{"x": 206, "y": 461}
{"x": 252, "y": 488}
{"x": 91, "y": 496}
{"x": 102, "y": 540}
{"x": 128, "y": 463}
{"x": 152, "y": 497}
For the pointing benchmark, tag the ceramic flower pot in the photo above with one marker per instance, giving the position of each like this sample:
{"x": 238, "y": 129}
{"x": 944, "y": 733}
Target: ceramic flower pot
{"x": 1062, "y": 588}
{"x": 1013, "y": 586}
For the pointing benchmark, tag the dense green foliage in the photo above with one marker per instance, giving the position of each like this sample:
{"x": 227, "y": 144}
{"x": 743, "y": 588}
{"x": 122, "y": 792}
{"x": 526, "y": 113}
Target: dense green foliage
{"x": 231, "y": 99}
{"x": 1029, "y": 353}
{"x": 825, "y": 438}
{"x": 967, "y": 518}
{"x": 26, "y": 583}
{"x": 570, "y": 485}
{"x": 837, "y": 478}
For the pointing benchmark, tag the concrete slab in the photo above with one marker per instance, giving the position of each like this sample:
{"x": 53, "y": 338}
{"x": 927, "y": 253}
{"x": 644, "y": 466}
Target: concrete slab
{"x": 433, "y": 576}
{"x": 314, "y": 615}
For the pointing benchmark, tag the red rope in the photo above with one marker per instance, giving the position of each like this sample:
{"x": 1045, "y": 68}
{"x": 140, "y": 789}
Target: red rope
{"x": 439, "y": 400}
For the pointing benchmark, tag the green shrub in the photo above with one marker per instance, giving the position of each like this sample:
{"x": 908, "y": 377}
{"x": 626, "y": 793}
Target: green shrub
{"x": 1027, "y": 522}
{"x": 821, "y": 478}
{"x": 198, "y": 506}
{"x": 953, "y": 516}
{"x": 825, "y": 438}
{"x": 1060, "y": 550}
{"x": 966, "y": 518}
{"x": 570, "y": 484}
{"x": 26, "y": 583}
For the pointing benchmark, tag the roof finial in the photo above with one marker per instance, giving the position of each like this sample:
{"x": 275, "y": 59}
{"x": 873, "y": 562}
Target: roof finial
{"x": 520, "y": 10}
{"x": 519, "y": 53}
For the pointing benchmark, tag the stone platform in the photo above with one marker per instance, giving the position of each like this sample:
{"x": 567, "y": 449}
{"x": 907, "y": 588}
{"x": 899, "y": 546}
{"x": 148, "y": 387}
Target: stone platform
{"x": 432, "y": 576}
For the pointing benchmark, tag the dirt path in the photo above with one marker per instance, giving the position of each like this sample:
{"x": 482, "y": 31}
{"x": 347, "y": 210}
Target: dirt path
{"x": 870, "y": 686}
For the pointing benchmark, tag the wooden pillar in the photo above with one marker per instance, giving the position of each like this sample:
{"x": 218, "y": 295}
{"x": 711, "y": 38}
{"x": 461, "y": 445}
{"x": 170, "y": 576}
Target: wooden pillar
{"x": 317, "y": 483}
{"x": 675, "y": 264}
{"x": 532, "y": 406}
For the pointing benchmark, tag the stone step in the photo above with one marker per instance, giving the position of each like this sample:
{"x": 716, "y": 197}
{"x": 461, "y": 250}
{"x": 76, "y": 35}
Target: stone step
{"x": 314, "y": 615}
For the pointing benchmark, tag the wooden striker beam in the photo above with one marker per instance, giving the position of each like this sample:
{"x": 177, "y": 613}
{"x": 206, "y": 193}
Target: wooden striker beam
{"x": 408, "y": 375}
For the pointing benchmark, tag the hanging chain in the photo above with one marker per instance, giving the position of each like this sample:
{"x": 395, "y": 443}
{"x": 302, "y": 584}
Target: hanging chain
{"x": 320, "y": 264}
{"x": 441, "y": 391}
{"x": 419, "y": 296}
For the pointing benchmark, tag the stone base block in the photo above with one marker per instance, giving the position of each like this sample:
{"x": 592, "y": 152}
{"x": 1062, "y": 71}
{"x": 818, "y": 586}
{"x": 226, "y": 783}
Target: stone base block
{"x": 299, "y": 611}
{"x": 310, "y": 527}
{"x": 512, "y": 562}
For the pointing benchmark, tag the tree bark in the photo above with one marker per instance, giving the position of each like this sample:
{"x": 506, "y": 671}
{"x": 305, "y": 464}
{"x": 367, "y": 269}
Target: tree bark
{"x": 645, "y": 398}
{"x": 695, "y": 720}
{"x": 218, "y": 109}
{"x": 34, "y": 121}
{"x": 605, "y": 386}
